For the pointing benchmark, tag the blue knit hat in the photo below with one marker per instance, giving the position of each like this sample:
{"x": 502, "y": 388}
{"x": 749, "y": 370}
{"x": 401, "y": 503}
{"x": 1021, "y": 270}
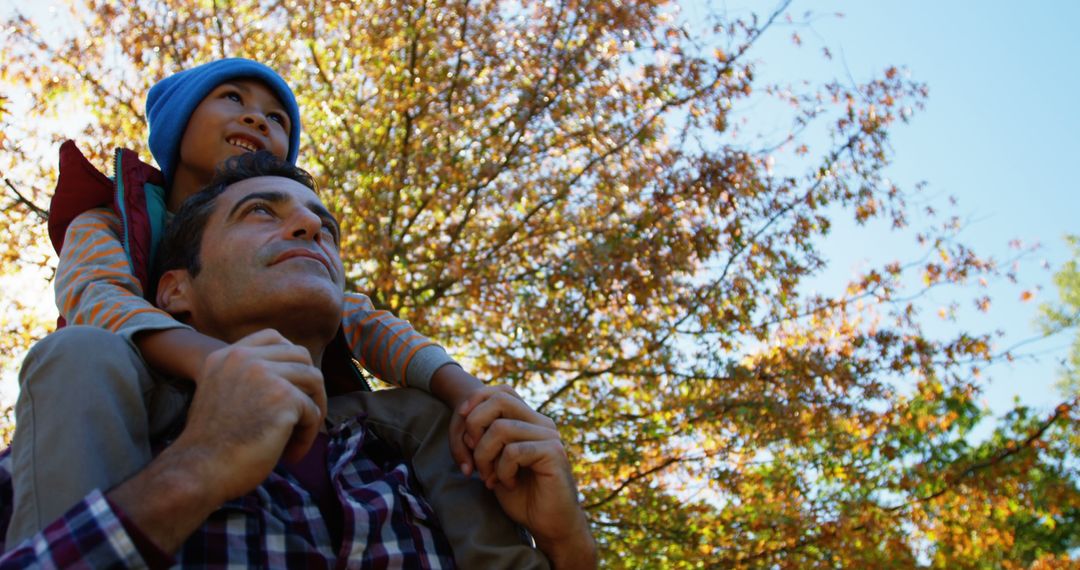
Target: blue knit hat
{"x": 172, "y": 100}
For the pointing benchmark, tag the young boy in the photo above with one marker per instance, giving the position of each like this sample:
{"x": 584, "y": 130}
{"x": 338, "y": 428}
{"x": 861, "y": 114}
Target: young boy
{"x": 100, "y": 434}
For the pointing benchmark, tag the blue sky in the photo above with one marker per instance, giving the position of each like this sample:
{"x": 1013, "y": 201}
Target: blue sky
{"x": 1000, "y": 133}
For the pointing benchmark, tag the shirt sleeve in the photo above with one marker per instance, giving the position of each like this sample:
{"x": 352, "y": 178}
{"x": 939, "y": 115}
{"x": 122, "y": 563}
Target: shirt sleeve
{"x": 154, "y": 556}
{"x": 89, "y": 535}
{"x": 94, "y": 282}
{"x": 389, "y": 347}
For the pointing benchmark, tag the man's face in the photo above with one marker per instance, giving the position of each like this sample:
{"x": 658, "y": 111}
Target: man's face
{"x": 269, "y": 258}
{"x": 236, "y": 117}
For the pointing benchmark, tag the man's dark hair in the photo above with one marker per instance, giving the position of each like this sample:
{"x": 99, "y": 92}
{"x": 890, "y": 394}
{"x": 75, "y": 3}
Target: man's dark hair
{"x": 183, "y": 238}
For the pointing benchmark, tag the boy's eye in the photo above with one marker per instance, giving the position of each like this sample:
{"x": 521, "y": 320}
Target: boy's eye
{"x": 233, "y": 96}
{"x": 277, "y": 117}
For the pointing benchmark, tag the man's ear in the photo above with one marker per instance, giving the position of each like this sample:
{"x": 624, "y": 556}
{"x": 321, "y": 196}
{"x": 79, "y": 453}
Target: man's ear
{"x": 174, "y": 292}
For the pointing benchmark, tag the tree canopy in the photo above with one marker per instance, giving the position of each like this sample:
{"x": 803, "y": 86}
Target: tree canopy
{"x": 1064, "y": 316}
{"x": 565, "y": 195}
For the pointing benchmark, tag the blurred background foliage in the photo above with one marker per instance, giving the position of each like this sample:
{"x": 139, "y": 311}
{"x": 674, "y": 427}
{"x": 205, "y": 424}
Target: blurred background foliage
{"x": 567, "y": 195}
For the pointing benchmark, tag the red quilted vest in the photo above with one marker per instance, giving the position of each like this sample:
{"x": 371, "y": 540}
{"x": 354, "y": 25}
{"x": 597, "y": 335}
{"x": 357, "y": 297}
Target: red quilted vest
{"x": 81, "y": 187}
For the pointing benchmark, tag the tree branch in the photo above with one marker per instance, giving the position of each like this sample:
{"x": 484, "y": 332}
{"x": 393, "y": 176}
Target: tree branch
{"x": 41, "y": 212}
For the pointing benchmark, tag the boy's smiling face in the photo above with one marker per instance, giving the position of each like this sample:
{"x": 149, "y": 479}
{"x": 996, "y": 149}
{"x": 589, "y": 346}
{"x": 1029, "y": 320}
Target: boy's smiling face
{"x": 238, "y": 116}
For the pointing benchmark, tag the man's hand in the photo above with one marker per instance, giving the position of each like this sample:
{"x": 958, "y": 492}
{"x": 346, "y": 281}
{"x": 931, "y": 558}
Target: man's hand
{"x": 520, "y": 456}
{"x": 258, "y": 399}
{"x": 460, "y": 450}
{"x": 262, "y": 400}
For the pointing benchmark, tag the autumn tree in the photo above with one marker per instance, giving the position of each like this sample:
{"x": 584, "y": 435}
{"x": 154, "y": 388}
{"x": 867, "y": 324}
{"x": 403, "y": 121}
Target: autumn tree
{"x": 570, "y": 196}
{"x": 1064, "y": 315}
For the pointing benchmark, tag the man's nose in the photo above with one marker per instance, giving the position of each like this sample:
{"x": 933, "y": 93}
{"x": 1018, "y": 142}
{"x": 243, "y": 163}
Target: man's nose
{"x": 305, "y": 224}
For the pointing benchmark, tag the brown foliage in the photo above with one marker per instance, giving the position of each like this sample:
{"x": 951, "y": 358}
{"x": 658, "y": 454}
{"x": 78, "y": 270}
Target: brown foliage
{"x": 564, "y": 194}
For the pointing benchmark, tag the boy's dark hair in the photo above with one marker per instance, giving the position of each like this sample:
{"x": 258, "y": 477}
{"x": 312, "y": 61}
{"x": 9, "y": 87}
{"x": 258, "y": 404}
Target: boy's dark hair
{"x": 183, "y": 238}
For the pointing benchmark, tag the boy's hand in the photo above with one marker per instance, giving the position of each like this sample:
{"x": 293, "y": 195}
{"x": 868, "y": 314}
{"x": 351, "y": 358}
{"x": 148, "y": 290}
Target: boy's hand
{"x": 461, "y": 442}
{"x": 457, "y": 389}
{"x": 521, "y": 457}
{"x": 453, "y": 386}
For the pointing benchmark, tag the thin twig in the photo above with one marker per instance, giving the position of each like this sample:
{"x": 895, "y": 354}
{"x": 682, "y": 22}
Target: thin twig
{"x": 41, "y": 213}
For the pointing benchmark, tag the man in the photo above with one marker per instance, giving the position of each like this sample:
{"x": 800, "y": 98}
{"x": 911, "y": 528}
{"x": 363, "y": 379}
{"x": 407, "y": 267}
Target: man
{"x": 267, "y": 278}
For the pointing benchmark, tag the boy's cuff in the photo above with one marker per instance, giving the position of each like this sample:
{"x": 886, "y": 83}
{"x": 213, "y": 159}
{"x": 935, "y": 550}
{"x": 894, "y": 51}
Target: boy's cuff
{"x": 423, "y": 365}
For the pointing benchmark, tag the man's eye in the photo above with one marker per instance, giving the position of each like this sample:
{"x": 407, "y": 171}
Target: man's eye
{"x": 329, "y": 230}
{"x": 263, "y": 208}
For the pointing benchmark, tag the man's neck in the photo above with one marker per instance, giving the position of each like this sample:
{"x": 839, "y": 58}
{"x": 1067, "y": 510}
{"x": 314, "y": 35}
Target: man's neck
{"x": 316, "y": 347}
{"x": 315, "y": 343}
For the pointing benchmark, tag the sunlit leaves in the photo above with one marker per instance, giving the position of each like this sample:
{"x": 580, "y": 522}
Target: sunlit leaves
{"x": 569, "y": 196}
{"x": 1063, "y": 315}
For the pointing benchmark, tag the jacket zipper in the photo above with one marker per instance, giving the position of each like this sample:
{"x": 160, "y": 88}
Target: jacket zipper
{"x": 360, "y": 376}
{"x": 118, "y": 184}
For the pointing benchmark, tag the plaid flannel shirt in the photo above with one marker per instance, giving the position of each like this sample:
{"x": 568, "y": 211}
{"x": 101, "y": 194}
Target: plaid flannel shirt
{"x": 278, "y": 525}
